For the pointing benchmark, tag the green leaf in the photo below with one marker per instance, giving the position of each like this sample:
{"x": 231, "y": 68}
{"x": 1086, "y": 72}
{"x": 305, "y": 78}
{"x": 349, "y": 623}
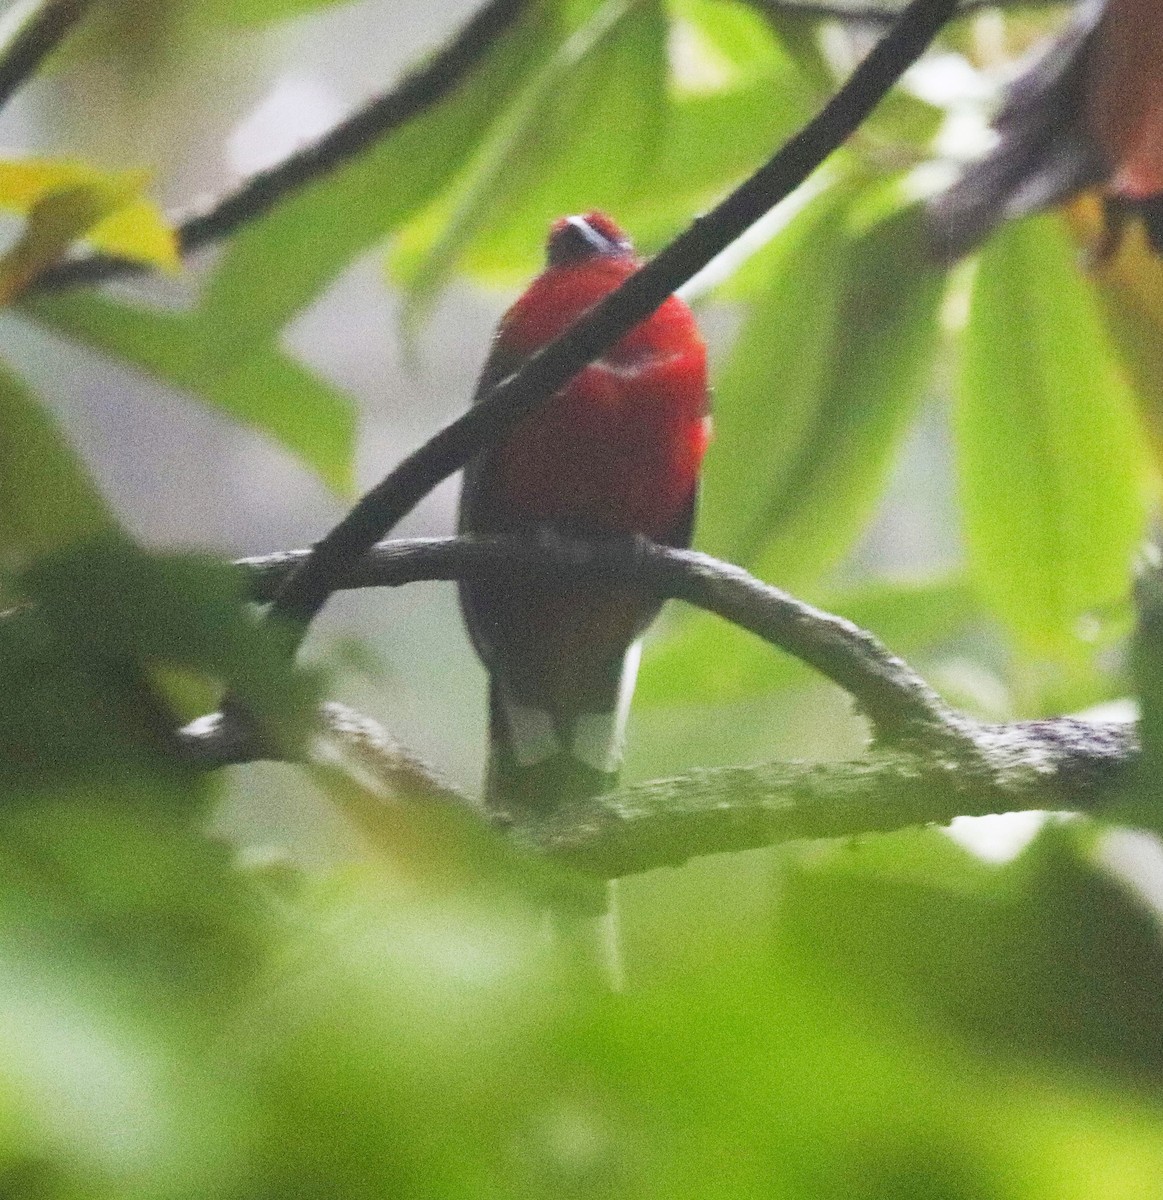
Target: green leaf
{"x": 261, "y": 12}
{"x": 493, "y": 225}
{"x": 1051, "y": 460}
{"x": 85, "y": 666}
{"x": 1141, "y": 803}
{"x": 705, "y": 660}
{"x": 47, "y": 499}
{"x": 818, "y": 390}
{"x": 584, "y": 135}
{"x": 265, "y": 390}
{"x": 279, "y": 264}
{"x": 1046, "y": 958}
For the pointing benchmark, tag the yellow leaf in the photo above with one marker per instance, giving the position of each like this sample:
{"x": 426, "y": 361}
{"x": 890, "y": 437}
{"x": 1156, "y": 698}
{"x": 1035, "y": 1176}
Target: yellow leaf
{"x": 54, "y": 223}
{"x": 132, "y": 227}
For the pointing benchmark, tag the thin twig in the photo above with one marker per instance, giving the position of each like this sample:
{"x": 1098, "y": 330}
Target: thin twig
{"x": 35, "y": 40}
{"x": 487, "y": 422}
{"x": 898, "y": 702}
{"x": 417, "y": 93}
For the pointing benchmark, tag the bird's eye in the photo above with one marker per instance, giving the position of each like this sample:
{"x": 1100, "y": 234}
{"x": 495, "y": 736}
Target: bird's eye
{"x": 573, "y": 239}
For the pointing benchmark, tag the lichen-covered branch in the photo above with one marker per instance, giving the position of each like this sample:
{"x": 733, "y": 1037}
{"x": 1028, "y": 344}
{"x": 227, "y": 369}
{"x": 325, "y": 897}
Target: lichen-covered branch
{"x": 898, "y": 702}
{"x": 1064, "y": 764}
{"x": 930, "y": 766}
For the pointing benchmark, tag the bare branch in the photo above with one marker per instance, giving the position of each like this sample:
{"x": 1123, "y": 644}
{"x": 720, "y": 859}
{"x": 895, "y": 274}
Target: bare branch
{"x": 898, "y": 702}
{"x": 1064, "y": 764}
{"x": 307, "y": 590}
{"x": 35, "y": 40}
{"x": 343, "y": 736}
{"x": 931, "y": 765}
{"x": 361, "y": 743}
{"x": 418, "y": 92}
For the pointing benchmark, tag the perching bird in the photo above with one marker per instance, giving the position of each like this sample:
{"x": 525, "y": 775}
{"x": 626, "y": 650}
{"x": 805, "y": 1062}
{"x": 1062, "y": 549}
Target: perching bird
{"x": 1087, "y": 114}
{"x": 617, "y": 451}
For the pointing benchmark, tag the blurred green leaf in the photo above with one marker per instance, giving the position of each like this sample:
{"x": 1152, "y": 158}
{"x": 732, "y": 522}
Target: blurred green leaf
{"x": 1051, "y": 459}
{"x": 585, "y": 134}
{"x": 812, "y": 1069}
{"x": 81, "y": 663}
{"x": 261, "y": 12}
{"x": 705, "y": 660}
{"x": 265, "y": 390}
{"x": 276, "y": 266}
{"x": 1047, "y": 958}
{"x": 1140, "y": 803}
{"x": 47, "y": 499}
{"x": 697, "y": 141}
{"x": 818, "y": 390}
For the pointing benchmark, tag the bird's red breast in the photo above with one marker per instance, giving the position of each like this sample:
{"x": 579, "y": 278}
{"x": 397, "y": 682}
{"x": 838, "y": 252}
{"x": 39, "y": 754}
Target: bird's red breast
{"x": 619, "y": 448}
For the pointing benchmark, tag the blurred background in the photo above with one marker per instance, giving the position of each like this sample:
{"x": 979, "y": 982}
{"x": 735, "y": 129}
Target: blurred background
{"x": 960, "y": 460}
{"x": 203, "y": 108}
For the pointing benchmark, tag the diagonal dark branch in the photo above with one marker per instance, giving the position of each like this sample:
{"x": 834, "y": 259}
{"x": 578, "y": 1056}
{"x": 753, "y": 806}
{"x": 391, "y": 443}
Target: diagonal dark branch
{"x": 898, "y": 702}
{"x": 485, "y": 423}
{"x": 35, "y": 40}
{"x": 418, "y": 92}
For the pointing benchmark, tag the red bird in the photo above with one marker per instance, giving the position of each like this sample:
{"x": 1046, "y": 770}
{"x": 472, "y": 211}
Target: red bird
{"x": 1088, "y": 113}
{"x": 617, "y": 451}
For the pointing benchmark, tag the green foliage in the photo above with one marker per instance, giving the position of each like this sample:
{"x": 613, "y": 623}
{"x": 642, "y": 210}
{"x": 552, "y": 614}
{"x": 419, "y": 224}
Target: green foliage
{"x": 47, "y": 499}
{"x": 820, "y": 387}
{"x": 264, "y": 389}
{"x": 905, "y": 1022}
{"x": 103, "y": 634}
{"x": 885, "y": 1018}
{"x": 724, "y": 665}
{"x": 1052, "y": 473}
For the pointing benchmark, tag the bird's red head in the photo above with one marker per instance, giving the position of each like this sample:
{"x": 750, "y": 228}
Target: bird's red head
{"x": 575, "y": 239}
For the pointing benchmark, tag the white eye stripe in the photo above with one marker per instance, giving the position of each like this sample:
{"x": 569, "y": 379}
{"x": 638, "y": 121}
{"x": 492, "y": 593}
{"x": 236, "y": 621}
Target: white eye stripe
{"x": 589, "y": 234}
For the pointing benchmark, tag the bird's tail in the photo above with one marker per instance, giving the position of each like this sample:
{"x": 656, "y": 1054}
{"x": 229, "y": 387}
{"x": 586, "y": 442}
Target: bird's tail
{"x": 544, "y": 758}
{"x": 546, "y": 754}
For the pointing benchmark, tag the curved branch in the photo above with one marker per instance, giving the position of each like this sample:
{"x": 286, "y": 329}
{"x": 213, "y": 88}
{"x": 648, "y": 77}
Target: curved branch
{"x": 307, "y": 590}
{"x": 898, "y": 702}
{"x": 931, "y": 766}
{"x": 1064, "y": 765}
{"x": 418, "y": 92}
{"x": 35, "y": 40}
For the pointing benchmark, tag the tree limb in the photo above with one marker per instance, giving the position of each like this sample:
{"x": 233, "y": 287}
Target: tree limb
{"x": 34, "y": 40}
{"x": 418, "y": 92}
{"x": 931, "y": 764}
{"x": 307, "y": 589}
{"x": 898, "y": 702}
{"x": 856, "y": 12}
{"x": 1063, "y": 764}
